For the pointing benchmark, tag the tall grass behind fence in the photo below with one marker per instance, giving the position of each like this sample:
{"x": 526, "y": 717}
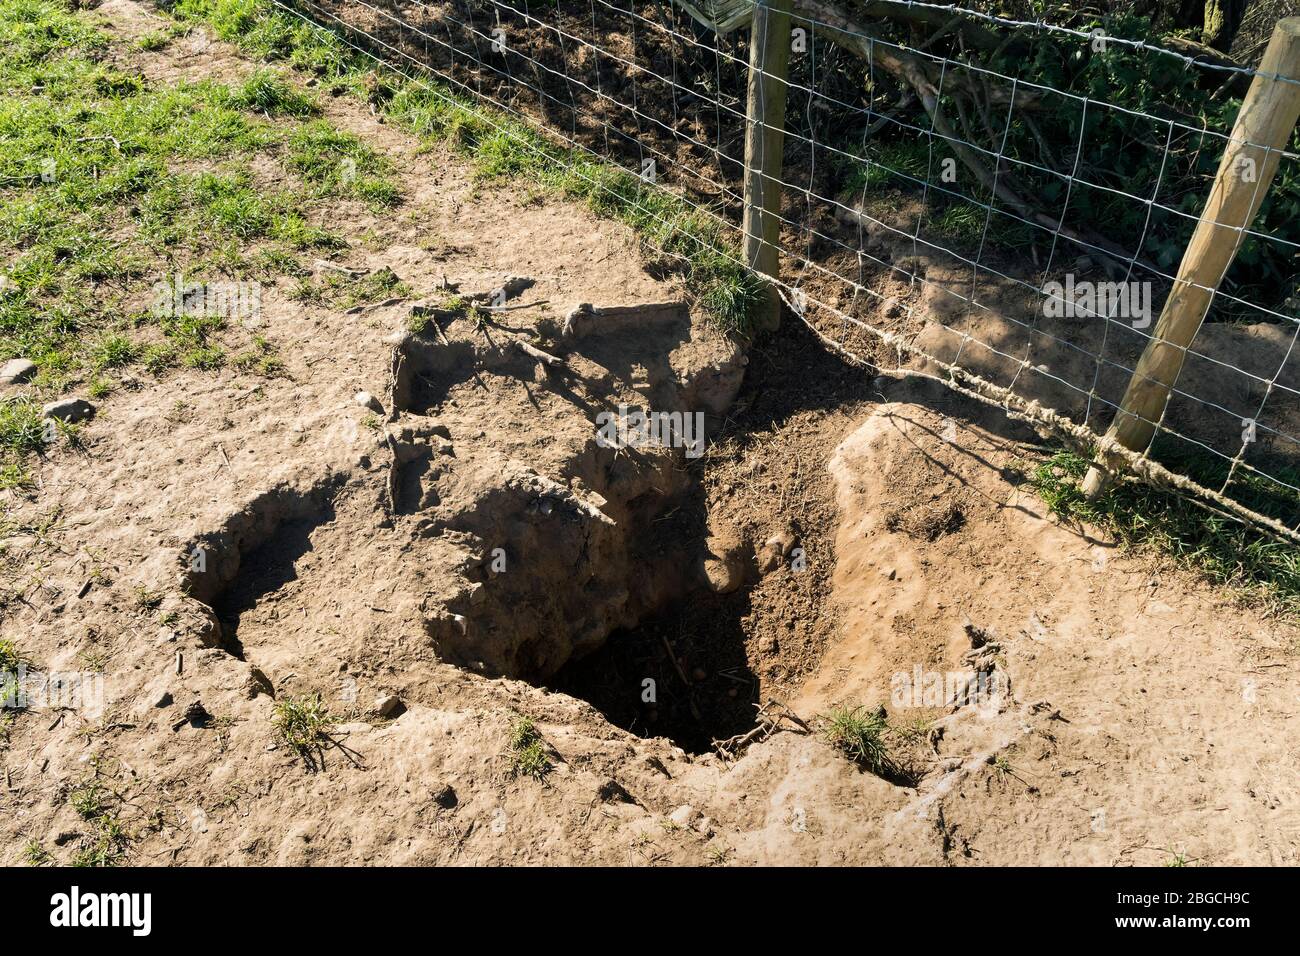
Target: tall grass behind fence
{"x": 1001, "y": 204}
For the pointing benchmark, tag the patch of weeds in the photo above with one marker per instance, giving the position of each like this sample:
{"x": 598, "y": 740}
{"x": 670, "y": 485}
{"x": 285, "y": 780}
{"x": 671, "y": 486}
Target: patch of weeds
{"x": 1223, "y": 550}
{"x": 93, "y": 659}
{"x": 10, "y": 660}
{"x": 14, "y": 477}
{"x": 962, "y": 222}
{"x": 917, "y": 730}
{"x": 339, "y": 290}
{"x": 900, "y": 164}
{"x": 159, "y": 39}
{"x": 108, "y": 845}
{"x": 267, "y": 34}
{"x": 21, "y": 428}
{"x": 36, "y": 855}
{"x": 261, "y": 359}
{"x": 528, "y": 753}
{"x": 498, "y": 145}
{"x": 99, "y": 387}
{"x": 115, "y": 351}
{"x": 205, "y": 358}
{"x": 859, "y": 734}
{"x": 270, "y": 92}
{"x": 89, "y": 800}
{"x": 304, "y": 723}
{"x": 147, "y": 599}
{"x": 9, "y": 657}
{"x": 337, "y": 163}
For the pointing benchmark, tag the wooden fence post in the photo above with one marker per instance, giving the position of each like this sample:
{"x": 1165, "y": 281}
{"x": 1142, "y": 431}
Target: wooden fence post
{"x": 1264, "y": 125}
{"x": 769, "y": 64}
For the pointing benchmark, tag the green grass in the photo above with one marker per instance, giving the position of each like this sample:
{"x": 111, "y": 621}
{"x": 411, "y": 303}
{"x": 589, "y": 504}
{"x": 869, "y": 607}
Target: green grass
{"x": 21, "y": 430}
{"x": 9, "y": 661}
{"x": 9, "y": 657}
{"x": 1222, "y": 550}
{"x": 270, "y": 93}
{"x": 261, "y": 358}
{"x": 109, "y": 186}
{"x": 107, "y": 844}
{"x": 36, "y": 855}
{"x": 529, "y": 756}
{"x": 342, "y": 291}
{"x": 859, "y": 733}
{"x": 883, "y": 163}
{"x": 304, "y": 723}
{"x": 496, "y": 145}
{"x": 340, "y": 164}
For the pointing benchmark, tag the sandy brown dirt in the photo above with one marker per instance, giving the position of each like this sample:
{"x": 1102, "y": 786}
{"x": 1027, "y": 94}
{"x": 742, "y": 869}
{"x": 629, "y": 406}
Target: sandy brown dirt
{"x": 1135, "y": 713}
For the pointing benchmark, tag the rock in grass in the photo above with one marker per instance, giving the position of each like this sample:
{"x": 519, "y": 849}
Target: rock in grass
{"x": 68, "y": 410}
{"x": 16, "y": 370}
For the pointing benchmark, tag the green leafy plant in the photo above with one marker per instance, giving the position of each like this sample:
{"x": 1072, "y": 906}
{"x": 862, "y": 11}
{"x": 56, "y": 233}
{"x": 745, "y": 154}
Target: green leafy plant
{"x": 304, "y": 723}
{"x": 528, "y": 753}
{"x": 860, "y": 734}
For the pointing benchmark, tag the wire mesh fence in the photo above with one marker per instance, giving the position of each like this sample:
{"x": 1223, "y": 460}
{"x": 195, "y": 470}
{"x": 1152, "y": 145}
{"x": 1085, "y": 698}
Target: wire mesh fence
{"x": 1001, "y": 204}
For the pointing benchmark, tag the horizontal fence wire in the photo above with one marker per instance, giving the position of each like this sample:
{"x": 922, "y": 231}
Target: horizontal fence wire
{"x": 942, "y": 216}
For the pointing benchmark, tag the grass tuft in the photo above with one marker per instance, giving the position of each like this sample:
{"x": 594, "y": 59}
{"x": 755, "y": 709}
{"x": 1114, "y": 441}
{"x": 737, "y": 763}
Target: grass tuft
{"x": 304, "y": 723}
{"x": 1222, "y": 550}
{"x": 529, "y": 756}
{"x": 269, "y": 92}
{"x": 859, "y": 734}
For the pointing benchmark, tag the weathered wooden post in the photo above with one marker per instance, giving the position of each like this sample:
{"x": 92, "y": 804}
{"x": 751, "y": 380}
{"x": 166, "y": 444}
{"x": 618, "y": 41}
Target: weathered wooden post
{"x": 1264, "y": 125}
{"x": 769, "y": 64}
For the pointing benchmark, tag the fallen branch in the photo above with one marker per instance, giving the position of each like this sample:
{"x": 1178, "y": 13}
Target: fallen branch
{"x": 546, "y": 358}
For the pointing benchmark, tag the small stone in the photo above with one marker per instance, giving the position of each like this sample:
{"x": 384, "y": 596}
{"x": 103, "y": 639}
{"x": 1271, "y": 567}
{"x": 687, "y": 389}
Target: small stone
{"x": 68, "y": 410}
{"x": 768, "y": 559}
{"x": 366, "y": 400}
{"x": 782, "y": 543}
{"x": 389, "y": 705}
{"x": 684, "y": 815}
{"x": 889, "y": 573}
{"x": 16, "y": 370}
{"x": 723, "y": 575}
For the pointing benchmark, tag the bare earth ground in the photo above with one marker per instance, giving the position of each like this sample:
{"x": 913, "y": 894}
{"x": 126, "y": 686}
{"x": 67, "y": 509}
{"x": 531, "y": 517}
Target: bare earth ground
{"x": 1139, "y": 714}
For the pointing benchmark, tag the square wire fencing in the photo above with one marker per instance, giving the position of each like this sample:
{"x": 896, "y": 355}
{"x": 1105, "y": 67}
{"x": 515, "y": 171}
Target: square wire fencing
{"x": 1094, "y": 230}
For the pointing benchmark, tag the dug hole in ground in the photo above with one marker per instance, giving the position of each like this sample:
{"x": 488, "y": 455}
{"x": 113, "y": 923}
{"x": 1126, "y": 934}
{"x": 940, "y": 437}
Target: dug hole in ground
{"x": 529, "y": 642}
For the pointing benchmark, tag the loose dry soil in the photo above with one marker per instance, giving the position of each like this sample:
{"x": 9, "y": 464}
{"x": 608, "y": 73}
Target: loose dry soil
{"x": 839, "y": 531}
